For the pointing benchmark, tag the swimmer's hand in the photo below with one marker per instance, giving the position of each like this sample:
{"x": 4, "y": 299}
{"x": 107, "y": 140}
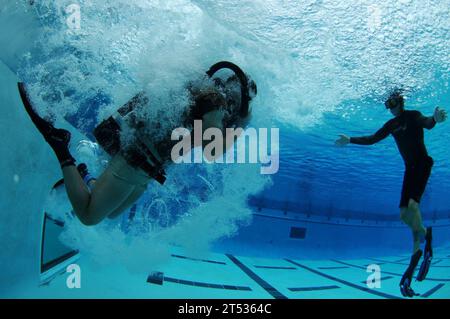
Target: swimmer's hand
{"x": 440, "y": 115}
{"x": 343, "y": 140}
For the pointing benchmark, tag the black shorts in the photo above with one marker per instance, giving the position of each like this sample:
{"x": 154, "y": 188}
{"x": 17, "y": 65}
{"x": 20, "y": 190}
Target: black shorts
{"x": 415, "y": 181}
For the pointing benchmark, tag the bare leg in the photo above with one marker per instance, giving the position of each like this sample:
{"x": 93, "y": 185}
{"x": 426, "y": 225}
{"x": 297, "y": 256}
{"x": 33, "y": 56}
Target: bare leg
{"x": 412, "y": 217}
{"x": 108, "y": 194}
{"x": 419, "y": 230}
{"x": 92, "y": 183}
{"x": 416, "y": 217}
{"x": 78, "y": 192}
{"x": 134, "y": 196}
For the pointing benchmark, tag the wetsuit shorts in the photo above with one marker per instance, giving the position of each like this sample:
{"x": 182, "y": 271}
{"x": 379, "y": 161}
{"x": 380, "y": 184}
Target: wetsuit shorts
{"x": 415, "y": 181}
{"x": 122, "y": 170}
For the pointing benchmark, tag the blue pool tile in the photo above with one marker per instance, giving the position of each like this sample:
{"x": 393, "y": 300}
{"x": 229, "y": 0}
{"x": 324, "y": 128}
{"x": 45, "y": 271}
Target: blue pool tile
{"x": 432, "y": 291}
{"x": 382, "y": 278}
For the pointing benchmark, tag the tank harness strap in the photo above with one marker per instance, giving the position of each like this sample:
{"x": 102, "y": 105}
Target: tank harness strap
{"x": 151, "y": 165}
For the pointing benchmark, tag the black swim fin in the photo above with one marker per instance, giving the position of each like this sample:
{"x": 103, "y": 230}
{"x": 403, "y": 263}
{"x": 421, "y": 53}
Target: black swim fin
{"x": 405, "y": 283}
{"x": 58, "y": 139}
{"x": 428, "y": 256}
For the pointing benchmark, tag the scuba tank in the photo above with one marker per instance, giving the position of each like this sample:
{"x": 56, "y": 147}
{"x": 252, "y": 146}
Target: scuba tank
{"x": 140, "y": 154}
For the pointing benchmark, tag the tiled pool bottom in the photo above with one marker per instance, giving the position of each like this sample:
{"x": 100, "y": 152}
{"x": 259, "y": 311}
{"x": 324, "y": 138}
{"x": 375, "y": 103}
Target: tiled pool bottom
{"x": 226, "y": 276}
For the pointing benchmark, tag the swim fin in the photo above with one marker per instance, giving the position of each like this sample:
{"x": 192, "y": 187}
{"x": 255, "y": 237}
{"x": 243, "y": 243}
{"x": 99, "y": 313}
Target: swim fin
{"x": 405, "y": 283}
{"x": 428, "y": 256}
{"x": 58, "y": 139}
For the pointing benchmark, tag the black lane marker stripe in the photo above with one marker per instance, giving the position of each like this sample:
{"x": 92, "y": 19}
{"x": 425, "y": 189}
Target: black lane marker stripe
{"x": 344, "y": 282}
{"x": 432, "y": 291}
{"x": 314, "y": 288}
{"x": 341, "y": 267}
{"x": 205, "y": 284}
{"x": 382, "y": 278}
{"x": 388, "y": 272}
{"x": 437, "y": 262}
{"x": 275, "y": 267}
{"x": 389, "y": 262}
{"x": 265, "y": 285}
{"x": 379, "y": 264}
{"x": 204, "y": 260}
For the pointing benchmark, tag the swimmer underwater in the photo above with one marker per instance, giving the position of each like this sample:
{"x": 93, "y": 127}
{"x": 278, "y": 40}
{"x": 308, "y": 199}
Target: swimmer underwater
{"x": 407, "y": 128}
{"x": 134, "y": 165}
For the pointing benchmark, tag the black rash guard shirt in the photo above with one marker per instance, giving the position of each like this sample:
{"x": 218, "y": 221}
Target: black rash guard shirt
{"x": 407, "y": 129}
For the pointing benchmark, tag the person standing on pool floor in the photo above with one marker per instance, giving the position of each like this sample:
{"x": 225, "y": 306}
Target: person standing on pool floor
{"x": 407, "y": 129}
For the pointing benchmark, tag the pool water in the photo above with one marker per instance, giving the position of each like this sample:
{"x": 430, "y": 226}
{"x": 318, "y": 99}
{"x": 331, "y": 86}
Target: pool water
{"x": 311, "y": 230}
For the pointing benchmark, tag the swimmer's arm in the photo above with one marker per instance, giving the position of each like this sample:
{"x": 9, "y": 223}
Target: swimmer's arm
{"x": 381, "y": 134}
{"x": 427, "y": 122}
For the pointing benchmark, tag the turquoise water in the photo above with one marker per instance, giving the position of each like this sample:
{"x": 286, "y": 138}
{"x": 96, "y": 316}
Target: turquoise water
{"x": 322, "y": 68}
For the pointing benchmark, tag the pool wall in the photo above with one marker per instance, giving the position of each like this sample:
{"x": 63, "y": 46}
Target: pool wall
{"x": 27, "y": 167}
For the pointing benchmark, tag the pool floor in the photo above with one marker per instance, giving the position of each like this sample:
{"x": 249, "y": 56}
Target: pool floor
{"x": 224, "y": 276}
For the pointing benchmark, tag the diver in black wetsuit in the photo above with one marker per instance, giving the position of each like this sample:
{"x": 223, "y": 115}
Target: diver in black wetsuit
{"x": 407, "y": 129}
